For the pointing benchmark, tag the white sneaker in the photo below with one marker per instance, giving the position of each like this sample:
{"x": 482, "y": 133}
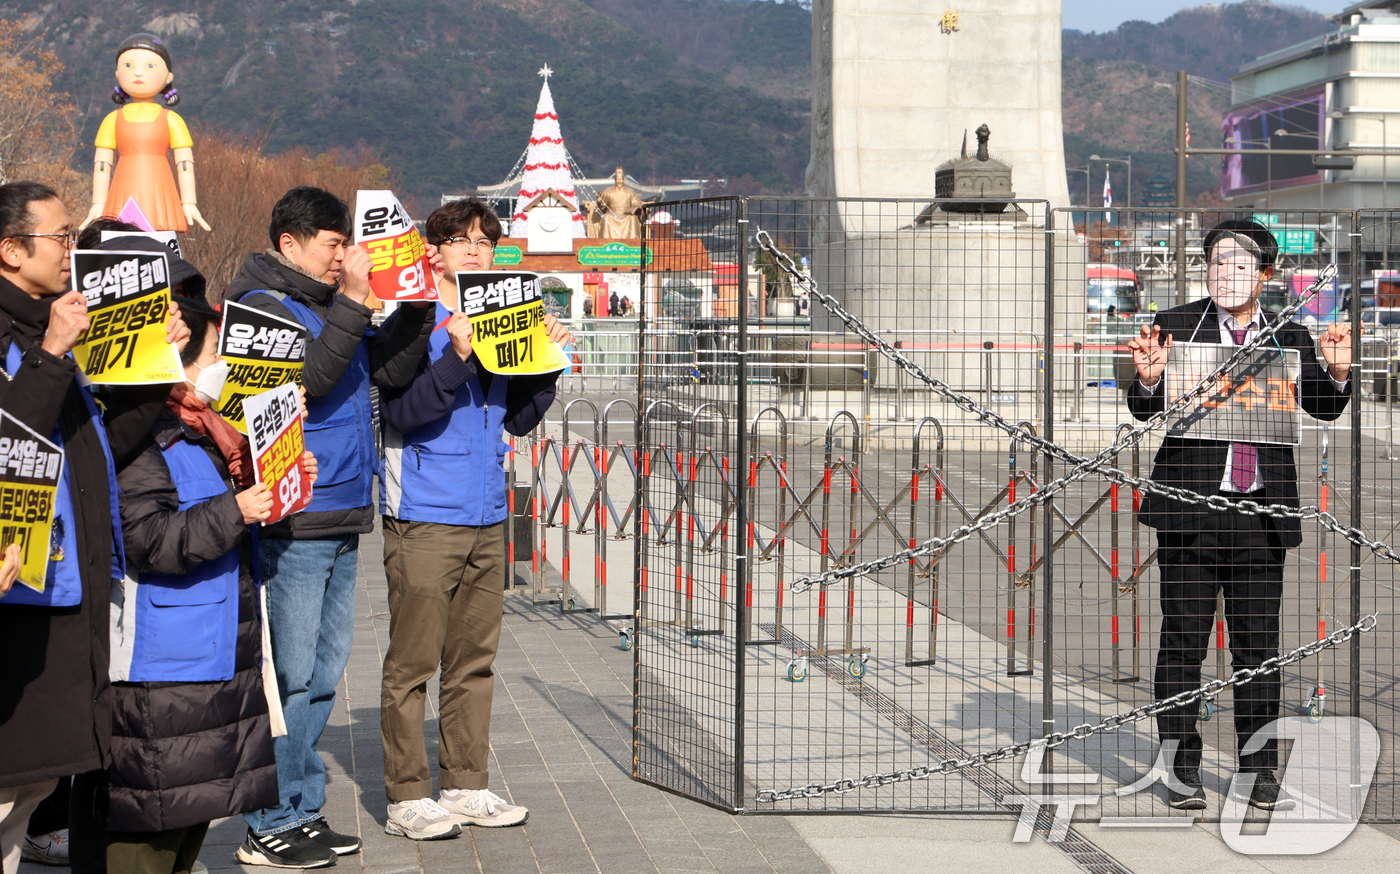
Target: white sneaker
{"x": 481, "y": 807}
{"x": 46, "y": 849}
{"x": 421, "y": 820}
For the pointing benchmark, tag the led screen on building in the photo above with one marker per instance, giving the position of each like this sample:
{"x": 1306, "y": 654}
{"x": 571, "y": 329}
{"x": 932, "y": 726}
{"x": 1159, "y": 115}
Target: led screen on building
{"x": 1253, "y": 128}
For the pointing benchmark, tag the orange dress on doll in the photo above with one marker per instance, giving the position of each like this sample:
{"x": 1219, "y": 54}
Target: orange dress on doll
{"x": 143, "y": 135}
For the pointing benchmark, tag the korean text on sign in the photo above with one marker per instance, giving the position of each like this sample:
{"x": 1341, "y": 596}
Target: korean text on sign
{"x": 277, "y": 440}
{"x": 262, "y": 352}
{"x": 128, "y": 297}
{"x": 507, "y": 314}
{"x": 396, "y": 250}
{"x": 30, "y": 471}
{"x": 1255, "y": 402}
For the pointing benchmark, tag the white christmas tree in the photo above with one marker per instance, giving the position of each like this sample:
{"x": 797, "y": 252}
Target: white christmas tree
{"x": 546, "y": 165}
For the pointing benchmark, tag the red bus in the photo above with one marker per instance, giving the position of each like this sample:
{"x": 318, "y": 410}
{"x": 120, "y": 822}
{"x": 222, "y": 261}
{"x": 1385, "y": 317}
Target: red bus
{"x": 1114, "y": 287}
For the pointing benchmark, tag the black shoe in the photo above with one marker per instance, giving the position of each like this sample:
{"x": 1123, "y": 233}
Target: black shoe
{"x": 320, "y": 832}
{"x": 1267, "y": 794}
{"x": 1195, "y": 799}
{"x": 289, "y": 849}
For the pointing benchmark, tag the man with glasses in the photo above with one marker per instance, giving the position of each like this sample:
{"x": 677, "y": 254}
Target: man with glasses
{"x": 313, "y": 275}
{"x": 443, "y": 494}
{"x": 55, "y": 701}
{"x": 1202, "y": 551}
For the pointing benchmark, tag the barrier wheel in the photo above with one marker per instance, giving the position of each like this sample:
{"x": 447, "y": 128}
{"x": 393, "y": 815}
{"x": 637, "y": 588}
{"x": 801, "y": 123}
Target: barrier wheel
{"x": 797, "y": 673}
{"x": 695, "y": 640}
{"x": 1316, "y": 710}
{"x": 1206, "y": 711}
{"x": 572, "y": 605}
{"x": 856, "y": 668}
{"x": 625, "y": 638}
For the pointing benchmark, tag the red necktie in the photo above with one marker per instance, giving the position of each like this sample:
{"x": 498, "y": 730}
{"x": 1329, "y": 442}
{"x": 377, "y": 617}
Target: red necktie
{"x": 1246, "y": 456}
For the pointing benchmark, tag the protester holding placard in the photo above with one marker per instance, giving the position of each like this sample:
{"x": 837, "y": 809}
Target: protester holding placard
{"x": 443, "y": 494}
{"x": 53, "y": 692}
{"x": 313, "y": 278}
{"x": 191, "y": 737}
{"x": 1202, "y": 551}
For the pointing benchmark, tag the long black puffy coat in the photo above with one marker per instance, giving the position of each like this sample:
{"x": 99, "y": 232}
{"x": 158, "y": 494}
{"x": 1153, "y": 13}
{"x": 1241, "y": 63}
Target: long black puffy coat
{"x": 186, "y": 753}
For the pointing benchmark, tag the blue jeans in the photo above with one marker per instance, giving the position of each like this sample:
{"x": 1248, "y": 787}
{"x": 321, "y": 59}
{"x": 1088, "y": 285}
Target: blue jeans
{"x": 310, "y": 615}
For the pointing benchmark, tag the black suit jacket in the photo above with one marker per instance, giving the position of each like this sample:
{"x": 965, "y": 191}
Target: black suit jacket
{"x": 1199, "y": 465}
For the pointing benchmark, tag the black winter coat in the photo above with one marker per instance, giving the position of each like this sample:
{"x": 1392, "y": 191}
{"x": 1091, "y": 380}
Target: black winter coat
{"x": 186, "y": 753}
{"x": 393, "y": 360}
{"x": 55, "y": 701}
{"x": 1199, "y": 465}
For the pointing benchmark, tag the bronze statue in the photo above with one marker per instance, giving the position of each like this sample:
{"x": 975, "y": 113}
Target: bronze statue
{"x": 616, "y": 214}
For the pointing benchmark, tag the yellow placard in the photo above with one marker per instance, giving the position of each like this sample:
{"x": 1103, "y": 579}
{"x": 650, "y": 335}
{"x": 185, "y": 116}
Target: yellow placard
{"x": 128, "y": 296}
{"x": 30, "y": 470}
{"x": 507, "y": 312}
{"x": 262, "y": 352}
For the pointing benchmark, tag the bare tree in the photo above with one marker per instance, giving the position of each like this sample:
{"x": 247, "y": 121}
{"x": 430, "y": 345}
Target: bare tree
{"x": 38, "y": 125}
{"x": 238, "y": 185}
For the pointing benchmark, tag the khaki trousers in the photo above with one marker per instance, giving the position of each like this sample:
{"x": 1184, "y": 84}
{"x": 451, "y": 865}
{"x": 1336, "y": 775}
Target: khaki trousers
{"x": 16, "y": 803}
{"x": 445, "y": 602}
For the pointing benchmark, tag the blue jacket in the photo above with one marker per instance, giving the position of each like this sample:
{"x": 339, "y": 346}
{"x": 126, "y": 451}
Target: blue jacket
{"x": 182, "y": 627}
{"x": 346, "y": 352}
{"x": 444, "y": 447}
{"x": 339, "y": 428}
{"x": 63, "y": 586}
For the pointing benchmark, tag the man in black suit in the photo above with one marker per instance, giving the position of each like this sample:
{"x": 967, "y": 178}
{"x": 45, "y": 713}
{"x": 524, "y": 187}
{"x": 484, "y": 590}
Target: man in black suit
{"x": 1201, "y": 551}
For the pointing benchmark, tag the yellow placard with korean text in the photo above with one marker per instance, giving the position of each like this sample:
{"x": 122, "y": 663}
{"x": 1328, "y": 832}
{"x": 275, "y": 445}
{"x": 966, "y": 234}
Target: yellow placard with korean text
{"x": 128, "y": 298}
{"x": 31, "y": 469}
{"x": 262, "y": 351}
{"x": 507, "y": 312}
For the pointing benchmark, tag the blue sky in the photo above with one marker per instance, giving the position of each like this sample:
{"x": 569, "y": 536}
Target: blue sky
{"x": 1104, "y": 15}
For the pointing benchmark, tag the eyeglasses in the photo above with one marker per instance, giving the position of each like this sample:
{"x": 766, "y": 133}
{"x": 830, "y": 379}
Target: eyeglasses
{"x": 467, "y": 244}
{"x": 69, "y": 239}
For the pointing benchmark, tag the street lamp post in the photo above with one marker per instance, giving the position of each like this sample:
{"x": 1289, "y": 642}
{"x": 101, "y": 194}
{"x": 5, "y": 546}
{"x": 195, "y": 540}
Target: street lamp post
{"x": 1321, "y": 171}
{"x": 1088, "y": 183}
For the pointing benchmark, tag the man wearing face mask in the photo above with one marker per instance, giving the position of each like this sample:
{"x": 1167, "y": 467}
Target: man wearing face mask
{"x": 1202, "y": 551}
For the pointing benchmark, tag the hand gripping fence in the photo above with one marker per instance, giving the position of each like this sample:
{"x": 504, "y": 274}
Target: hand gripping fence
{"x": 1082, "y": 467}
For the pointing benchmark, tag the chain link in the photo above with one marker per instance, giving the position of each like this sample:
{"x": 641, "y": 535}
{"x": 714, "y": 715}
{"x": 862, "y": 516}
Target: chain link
{"x": 1112, "y": 723}
{"x": 1081, "y": 467}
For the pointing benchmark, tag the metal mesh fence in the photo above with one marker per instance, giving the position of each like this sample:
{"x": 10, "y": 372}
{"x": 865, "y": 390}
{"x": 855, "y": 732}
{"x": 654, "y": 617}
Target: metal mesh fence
{"x": 774, "y": 443}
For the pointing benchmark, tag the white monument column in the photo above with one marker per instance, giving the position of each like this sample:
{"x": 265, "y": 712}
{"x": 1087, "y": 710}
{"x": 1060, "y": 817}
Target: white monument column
{"x": 895, "y": 83}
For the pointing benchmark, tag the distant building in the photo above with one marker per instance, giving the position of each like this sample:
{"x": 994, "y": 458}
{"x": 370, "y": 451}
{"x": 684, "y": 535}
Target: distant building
{"x": 1335, "y": 91}
{"x": 1159, "y": 192}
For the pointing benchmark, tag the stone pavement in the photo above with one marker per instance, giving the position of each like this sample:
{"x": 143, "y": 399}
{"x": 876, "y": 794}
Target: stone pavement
{"x": 561, "y": 740}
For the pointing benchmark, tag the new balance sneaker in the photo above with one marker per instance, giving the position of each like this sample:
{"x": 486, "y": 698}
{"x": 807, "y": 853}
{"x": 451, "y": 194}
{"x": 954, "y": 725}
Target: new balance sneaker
{"x": 288, "y": 849}
{"x": 46, "y": 849}
{"x": 1194, "y": 798}
{"x": 421, "y": 820}
{"x": 481, "y": 807}
{"x": 321, "y": 832}
{"x": 1267, "y": 794}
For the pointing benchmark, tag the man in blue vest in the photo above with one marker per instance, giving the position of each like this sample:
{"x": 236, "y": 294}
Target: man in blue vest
{"x": 313, "y": 275}
{"x": 443, "y": 493}
{"x": 55, "y": 700}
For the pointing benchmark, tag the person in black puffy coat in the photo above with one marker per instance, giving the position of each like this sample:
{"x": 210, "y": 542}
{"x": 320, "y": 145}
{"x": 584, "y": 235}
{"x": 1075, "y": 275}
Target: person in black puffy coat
{"x": 191, "y": 735}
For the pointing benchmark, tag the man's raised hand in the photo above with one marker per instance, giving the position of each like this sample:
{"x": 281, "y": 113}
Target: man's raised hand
{"x": 1150, "y": 354}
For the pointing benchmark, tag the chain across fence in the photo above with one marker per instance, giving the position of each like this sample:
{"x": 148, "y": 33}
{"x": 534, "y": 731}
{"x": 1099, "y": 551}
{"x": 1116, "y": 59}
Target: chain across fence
{"x": 956, "y": 624}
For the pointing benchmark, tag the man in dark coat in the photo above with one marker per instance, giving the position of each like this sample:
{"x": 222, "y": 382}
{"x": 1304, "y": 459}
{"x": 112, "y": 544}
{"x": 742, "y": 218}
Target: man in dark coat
{"x": 55, "y": 701}
{"x": 55, "y": 717}
{"x": 314, "y": 275}
{"x": 1201, "y": 551}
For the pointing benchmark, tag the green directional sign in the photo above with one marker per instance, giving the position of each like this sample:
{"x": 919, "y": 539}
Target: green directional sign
{"x": 613, "y": 254}
{"x": 1291, "y": 241}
